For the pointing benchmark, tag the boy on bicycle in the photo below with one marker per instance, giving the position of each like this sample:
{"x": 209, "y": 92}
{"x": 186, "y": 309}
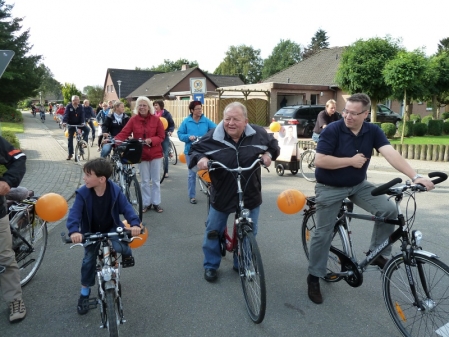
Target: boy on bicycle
{"x": 97, "y": 207}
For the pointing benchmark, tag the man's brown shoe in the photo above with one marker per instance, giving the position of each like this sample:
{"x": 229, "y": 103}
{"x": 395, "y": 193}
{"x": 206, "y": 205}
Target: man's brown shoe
{"x": 314, "y": 291}
{"x": 69, "y": 157}
{"x": 17, "y": 311}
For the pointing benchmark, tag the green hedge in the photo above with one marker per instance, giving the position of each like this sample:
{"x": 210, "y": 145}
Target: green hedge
{"x": 9, "y": 114}
{"x": 419, "y": 129}
{"x": 426, "y": 119}
{"x": 435, "y": 127}
{"x": 408, "y": 128}
{"x": 445, "y": 115}
{"x": 389, "y": 129}
{"x": 415, "y": 118}
{"x": 446, "y": 127}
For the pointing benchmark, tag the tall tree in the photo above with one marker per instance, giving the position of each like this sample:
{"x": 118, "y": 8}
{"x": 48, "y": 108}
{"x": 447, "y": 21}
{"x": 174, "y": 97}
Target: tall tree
{"x": 439, "y": 86}
{"x": 319, "y": 42}
{"x": 243, "y": 61}
{"x": 169, "y": 65}
{"x": 49, "y": 84}
{"x": 68, "y": 90}
{"x": 361, "y": 68}
{"x": 285, "y": 54}
{"x": 23, "y": 75}
{"x": 94, "y": 94}
{"x": 443, "y": 45}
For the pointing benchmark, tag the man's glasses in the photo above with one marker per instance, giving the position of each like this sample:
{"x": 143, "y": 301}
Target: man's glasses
{"x": 346, "y": 112}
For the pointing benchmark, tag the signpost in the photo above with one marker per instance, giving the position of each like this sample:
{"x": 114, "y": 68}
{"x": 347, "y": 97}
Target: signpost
{"x": 199, "y": 97}
{"x": 5, "y": 58}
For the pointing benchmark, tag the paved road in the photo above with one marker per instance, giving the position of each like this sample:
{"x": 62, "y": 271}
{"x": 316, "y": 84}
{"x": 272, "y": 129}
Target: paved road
{"x": 165, "y": 293}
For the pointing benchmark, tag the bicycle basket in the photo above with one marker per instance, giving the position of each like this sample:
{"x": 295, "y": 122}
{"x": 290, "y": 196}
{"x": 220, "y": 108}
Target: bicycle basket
{"x": 131, "y": 152}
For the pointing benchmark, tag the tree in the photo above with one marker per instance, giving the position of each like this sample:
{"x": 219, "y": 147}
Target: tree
{"x": 443, "y": 45}
{"x": 319, "y": 42}
{"x": 94, "y": 94}
{"x": 439, "y": 85}
{"x": 361, "y": 68}
{"x": 49, "y": 84}
{"x": 243, "y": 61}
{"x": 285, "y": 54}
{"x": 68, "y": 90}
{"x": 23, "y": 75}
{"x": 169, "y": 65}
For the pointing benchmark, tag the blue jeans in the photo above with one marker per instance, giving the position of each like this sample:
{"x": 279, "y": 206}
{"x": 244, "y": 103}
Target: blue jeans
{"x": 92, "y": 127}
{"x": 105, "y": 150}
{"x": 165, "y": 146}
{"x": 72, "y": 131}
{"x": 90, "y": 260}
{"x": 191, "y": 180}
{"x": 216, "y": 222}
{"x": 315, "y": 137}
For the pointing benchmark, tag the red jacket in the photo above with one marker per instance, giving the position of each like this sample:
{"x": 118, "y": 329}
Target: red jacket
{"x": 144, "y": 128}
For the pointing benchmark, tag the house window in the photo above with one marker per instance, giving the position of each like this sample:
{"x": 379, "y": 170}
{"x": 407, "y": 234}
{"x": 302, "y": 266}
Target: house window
{"x": 112, "y": 88}
{"x": 313, "y": 99}
{"x": 107, "y": 88}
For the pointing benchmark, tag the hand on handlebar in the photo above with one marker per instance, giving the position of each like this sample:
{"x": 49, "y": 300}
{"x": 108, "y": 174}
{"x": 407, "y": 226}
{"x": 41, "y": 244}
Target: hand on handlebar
{"x": 203, "y": 163}
{"x": 76, "y": 237}
{"x": 135, "y": 230}
{"x": 427, "y": 183}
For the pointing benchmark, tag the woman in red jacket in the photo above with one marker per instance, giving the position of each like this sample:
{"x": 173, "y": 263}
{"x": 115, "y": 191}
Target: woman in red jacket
{"x": 148, "y": 127}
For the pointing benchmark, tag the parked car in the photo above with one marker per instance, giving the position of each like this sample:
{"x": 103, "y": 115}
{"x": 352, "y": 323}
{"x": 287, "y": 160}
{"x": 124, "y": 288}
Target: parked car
{"x": 303, "y": 116}
{"x": 385, "y": 115}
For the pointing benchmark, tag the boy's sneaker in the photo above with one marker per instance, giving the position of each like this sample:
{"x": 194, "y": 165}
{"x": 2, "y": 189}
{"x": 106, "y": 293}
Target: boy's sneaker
{"x": 83, "y": 304}
{"x": 17, "y": 311}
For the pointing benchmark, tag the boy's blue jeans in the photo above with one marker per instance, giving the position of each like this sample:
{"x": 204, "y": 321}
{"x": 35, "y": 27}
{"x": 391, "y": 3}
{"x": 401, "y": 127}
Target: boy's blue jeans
{"x": 88, "y": 268}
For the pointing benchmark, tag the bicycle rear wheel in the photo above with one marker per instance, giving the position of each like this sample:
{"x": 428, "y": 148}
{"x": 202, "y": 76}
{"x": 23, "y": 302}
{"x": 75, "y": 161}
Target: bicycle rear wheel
{"x": 339, "y": 241}
{"x": 307, "y": 165}
{"x": 162, "y": 171}
{"x": 431, "y": 279}
{"x": 29, "y": 245}
{"x": 134, "y": 195}
{"x": 112, "y": 315}
{"x": 82, "y": 153}
{"x": 172, "y": 154}
{"x": 252, "y": 277}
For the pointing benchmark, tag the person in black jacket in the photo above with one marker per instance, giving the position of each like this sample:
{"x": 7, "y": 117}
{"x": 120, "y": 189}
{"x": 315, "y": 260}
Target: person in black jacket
{"x": 234, "y": 143}
{"x": 159, "y": 111}
{"x": 74, "y": 115}
{"x": 112, "y": 125}
{"x": 89, "y": 114}
{"x": 14, "y": 160}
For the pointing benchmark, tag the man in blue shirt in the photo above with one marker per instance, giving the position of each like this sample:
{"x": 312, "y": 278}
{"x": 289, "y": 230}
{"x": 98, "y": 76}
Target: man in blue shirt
{"x": 342, "y": 159}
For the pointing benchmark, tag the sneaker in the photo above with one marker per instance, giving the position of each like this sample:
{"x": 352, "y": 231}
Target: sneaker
{"x": 17, "y": 311}
{"x": 83, "y": 304}
{"x": 314, "y": 291}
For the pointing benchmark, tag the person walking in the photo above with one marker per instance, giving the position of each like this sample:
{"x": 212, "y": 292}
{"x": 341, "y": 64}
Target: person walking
{"x": 159, "y": 111}
{"x": 89, "y": 114}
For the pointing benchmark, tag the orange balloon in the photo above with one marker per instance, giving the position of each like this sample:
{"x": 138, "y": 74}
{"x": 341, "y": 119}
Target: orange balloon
{"x": 51, "y": 207}
{"x": 204, "y": 174}
{"x": 136, "y": 243}
{"x": 164, "y": 122}
{"x": 182, "y": 158}
{"x": 275, "y": 126}
{"x": 291, "y": 201}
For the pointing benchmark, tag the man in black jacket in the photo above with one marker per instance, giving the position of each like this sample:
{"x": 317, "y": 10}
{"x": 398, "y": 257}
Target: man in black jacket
{"x": 234, "y": 143}
{"x": 14, "y": 160}
{"x": 74, "y": 115}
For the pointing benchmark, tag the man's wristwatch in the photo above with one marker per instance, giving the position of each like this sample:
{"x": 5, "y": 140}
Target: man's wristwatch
{"x": 416, "y": 177}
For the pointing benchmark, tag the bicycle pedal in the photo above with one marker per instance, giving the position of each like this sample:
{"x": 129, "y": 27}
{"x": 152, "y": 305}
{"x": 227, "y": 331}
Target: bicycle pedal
{"x": 92, "y": 303}
{"x": 128, "y": 262}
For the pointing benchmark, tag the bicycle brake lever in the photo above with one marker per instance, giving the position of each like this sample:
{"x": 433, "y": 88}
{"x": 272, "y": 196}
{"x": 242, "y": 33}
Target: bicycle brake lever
{"x": 76, "y": 244}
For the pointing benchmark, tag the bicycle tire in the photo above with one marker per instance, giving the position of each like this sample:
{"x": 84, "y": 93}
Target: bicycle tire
{"x": 134, "y": 195}
{"x": 252, "y": 277}
{"x": 162, "y": 170}
{"x": 82, "y": 153}
{"x": 31, "y": 249}
{"x": 307, "y": 165}
{"x": 115, "y": 177}
{"x": 433, "y": 320}
{"x": 339, "y": 241}
{"x": 172, "y": 154}
{"x": 112, "y": 316}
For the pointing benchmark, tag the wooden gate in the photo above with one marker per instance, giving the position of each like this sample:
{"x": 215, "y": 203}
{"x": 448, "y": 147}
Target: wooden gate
{"x": 258, "y": 110}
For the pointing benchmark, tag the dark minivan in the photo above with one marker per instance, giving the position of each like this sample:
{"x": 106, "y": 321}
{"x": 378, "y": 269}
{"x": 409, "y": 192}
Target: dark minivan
{"x": 303, "y": 116}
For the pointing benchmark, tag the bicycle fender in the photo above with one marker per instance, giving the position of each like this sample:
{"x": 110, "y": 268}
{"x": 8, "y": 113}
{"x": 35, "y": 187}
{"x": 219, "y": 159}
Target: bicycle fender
{"x": 426, "y": 254}
{"x": 109, "y": 285}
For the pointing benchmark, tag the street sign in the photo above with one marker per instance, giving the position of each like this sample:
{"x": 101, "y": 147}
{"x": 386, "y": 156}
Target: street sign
{"x": 5, "y": 58}
{"x": 198, "y": 85}
{"x": 199, "y": 97}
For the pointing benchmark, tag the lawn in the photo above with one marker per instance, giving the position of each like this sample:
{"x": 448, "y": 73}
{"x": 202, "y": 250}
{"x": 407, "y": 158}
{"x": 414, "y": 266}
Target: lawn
{"x": 13, "y": 127}
{"x": 434, "y": 140}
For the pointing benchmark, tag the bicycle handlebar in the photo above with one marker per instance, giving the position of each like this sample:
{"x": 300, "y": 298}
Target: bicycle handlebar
{"x": 239, "y": 169}
{"x": 93, "y": 237}
{"x": 387, "y": 187}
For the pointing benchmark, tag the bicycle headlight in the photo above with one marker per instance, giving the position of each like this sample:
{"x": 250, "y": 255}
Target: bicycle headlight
{"x": 417, "y": 235}
{"x": 245, "y": 213}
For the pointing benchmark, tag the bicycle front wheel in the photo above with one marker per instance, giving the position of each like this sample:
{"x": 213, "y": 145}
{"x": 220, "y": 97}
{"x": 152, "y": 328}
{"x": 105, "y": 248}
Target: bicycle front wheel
{"x": 172, "y": 154}
{"x": 252, "y": 277}
{"x": 339, "y": 241}
{"x": 307, "y": 165}
{"x": 29, "y": 245}
{"x": 112, "y": 315}
{"x": 82, "y": 153}
{"x": 134, "y": 195}
{"x": 431, "y": 278}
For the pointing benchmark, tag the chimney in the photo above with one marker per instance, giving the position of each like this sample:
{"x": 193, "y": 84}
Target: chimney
{"x": 185, "y": 66}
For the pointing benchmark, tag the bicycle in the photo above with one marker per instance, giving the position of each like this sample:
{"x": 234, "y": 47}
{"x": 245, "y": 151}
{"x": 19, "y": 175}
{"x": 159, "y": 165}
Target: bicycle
{"x": 108, "y": 276}
{"x": 82, "y": 152}
{"x": 307, "y": 164}
{"x": 172, "y": 154}
{"x": 162, "y": 170}
{"x": 42, "y": 116}
{"x": 29, "y": 235}
{"x": 413, "y": 286}
{"x": 124, "y": 173}
{"x": 243, "y": 243}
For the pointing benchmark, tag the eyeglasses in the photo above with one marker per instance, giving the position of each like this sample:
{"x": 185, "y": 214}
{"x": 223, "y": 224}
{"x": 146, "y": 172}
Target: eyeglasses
{"x": 353, "y": 114}
{"x": 198, "y": 108}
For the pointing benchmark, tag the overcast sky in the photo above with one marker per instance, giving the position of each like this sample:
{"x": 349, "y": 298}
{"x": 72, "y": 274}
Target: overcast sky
{"x": 81, "y": 39}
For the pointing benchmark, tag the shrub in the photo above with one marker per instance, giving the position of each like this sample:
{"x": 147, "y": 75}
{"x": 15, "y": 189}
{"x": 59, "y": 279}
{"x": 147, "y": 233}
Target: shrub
{"x": 389, "y": 129}
{"x": 408, "y": 129}
{"x": 9, "y": 114}
{"x": 419, "y": 129}
{"x": 446, "y": 127}
{"x": 426, "y": 119}
{"x": 415, "y": 118}
{"x": 435, "y": 127}
{"x": 445, "y": 115}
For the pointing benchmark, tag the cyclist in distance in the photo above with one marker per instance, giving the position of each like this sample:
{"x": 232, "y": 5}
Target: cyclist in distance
{"x": 234, "y": 143}
{"x": 159, "y": 111}
{"x": 74, "y": 115}
{"x": 324, "y": 118}
{"x": 97, "y": 208}
{"x": 342, "y": 159}
{"x": 14, "y": 161}
{"x": 112, "y": 125}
